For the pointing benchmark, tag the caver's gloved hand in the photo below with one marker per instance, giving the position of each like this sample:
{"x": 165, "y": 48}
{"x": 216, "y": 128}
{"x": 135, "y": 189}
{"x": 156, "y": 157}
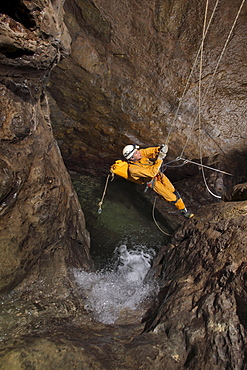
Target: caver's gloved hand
{"x": 163, "y": 151}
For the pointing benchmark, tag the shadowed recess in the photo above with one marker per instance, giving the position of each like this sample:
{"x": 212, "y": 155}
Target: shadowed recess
{"x": 19, "y": 12}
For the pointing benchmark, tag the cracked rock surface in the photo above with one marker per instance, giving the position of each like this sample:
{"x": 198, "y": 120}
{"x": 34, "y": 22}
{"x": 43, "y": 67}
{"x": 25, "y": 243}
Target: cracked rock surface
{"x": 122, "y": 81}
{"x": 39, "y": 209}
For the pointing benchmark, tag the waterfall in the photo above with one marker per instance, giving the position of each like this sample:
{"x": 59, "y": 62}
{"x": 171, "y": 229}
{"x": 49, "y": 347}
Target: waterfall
{"x": 123, "y": 286}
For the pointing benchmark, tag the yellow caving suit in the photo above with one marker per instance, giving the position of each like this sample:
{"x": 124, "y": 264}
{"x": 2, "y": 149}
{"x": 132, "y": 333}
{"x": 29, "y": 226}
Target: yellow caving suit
{"x": 147, "y": 169}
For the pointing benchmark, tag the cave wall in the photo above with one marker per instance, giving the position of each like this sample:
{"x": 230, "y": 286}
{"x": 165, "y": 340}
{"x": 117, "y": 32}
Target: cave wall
{"x": 39, "y": 209}
{"x": 122, "y": 82}
{"x": 127, "y": 72}
{"x": 201, "y": 307}
{"x": 198, "y": 319}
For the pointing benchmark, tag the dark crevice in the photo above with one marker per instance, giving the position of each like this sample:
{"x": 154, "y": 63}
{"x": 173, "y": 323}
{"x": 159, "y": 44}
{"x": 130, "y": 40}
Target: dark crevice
{"x": 10, "y": 198}
{"x": 20, "y": 89}
{"x": 190, "y": 357}
{"x": 241, "y": 310}
{"x": 19, "y": 12}
{"x": 13, "y": 52}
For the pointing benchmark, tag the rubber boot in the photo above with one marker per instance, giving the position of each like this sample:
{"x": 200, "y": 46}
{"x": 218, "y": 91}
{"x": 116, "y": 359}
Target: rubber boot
{"x": 186, "y": 213}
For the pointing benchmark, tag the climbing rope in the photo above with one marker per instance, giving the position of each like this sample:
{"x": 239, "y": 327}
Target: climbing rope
{"x": 185, "y": 161}
{"x": 198, "y": 117}
{"x": 225, "y": 45}
{"x": 104, "y": 192}
{"x": 191, "y": 72}
{"x": 103, "y": 196}
{"x": 204, "y": 166}
{"x": 199, "y": 104}
{"x": 214, "y": 73}
{"x": 200, "y": 100}
{"x": 156, "y": 223}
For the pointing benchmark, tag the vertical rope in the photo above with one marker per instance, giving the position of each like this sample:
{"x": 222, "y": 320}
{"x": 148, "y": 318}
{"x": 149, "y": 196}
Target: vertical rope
{"x": 199, "y": 102}
{"x": 191, "y": 72}
{"x": 225, "y": 45}
{"x": 199, "y": 106}
{"x": 214, "y": 73}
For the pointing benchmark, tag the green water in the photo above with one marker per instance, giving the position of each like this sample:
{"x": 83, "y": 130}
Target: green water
{"x": 126, "y": 217}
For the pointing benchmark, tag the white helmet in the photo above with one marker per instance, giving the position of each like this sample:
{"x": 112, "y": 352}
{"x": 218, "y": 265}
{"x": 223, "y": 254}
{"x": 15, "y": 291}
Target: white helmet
{"x": 129, "y": 150}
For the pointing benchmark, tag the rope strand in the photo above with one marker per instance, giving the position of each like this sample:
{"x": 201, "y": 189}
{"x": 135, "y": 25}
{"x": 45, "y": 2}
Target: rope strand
{"x": 200, "y": 101}
{"x": 214, "y": 73}
{"x": 191, "y": 72}
{"x": 103, "y": 196}
{"x": 156, "y": 223}
{"x": 199, "y": 105}
{"x": 203, "y": 165}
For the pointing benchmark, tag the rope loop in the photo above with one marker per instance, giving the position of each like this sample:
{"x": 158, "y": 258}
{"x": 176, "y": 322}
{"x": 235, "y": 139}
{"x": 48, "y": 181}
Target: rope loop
{"x": 156, "y": 223}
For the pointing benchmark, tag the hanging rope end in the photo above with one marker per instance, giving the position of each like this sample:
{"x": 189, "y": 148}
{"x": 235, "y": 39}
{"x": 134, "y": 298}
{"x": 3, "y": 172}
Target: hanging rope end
{"x": 103, "y": 196}
{"x": 100, "y": 207}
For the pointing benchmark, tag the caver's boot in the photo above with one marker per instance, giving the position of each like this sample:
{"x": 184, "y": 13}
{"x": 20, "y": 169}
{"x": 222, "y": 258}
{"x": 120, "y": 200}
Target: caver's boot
{"x": 186, "y": 213}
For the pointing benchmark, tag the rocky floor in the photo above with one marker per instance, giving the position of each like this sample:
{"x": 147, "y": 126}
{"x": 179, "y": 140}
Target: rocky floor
{"x": 197, "y": 321}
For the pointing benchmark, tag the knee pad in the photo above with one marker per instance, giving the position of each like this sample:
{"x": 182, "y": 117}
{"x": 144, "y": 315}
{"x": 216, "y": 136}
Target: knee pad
{"x": 177, "y": 195}
{"x": 179, "y": 204}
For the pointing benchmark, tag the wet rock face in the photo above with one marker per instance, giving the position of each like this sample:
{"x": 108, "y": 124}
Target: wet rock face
{"x": 197, "y": 320}
{"x": 126, "y": 74}
{"x": 38, "y": 206}
{"x": 130, "y": 76}
{"x": 203, "y": 283}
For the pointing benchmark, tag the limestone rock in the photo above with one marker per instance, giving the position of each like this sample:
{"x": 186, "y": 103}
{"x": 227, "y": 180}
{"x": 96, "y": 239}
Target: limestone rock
{"x": 39, "y": 209}
{"x": 197, "y": 320}
{"x": 200, "y": 307}
{"x": 124, "y": 86}
{"x": 33, "y": 34}
{"x": 128, "y": 69}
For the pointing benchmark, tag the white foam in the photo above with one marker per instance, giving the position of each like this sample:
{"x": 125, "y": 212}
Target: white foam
{"x": 124, "y": 287}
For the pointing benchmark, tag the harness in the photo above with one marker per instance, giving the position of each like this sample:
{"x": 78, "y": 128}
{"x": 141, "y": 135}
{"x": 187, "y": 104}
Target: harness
{"x": 150, "y": 183}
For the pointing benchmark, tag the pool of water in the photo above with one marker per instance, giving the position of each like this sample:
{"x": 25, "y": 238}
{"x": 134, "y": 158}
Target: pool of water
{"x": 126, "y": 218}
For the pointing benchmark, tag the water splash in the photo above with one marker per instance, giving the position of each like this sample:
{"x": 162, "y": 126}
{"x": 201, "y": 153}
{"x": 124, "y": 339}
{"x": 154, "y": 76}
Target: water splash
{"x": 110, "y": 292}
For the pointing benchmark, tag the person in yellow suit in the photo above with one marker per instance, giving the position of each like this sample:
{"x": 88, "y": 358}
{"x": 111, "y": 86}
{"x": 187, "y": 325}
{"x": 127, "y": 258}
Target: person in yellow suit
{"x": 144, "y": 167}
